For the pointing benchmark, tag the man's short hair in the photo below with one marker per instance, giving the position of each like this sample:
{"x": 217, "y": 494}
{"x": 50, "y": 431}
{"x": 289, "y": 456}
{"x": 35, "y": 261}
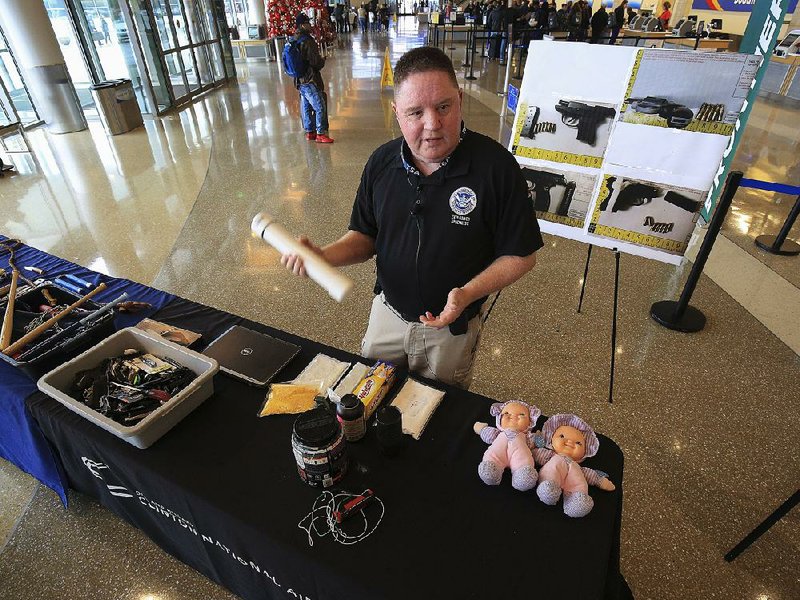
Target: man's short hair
{"x": 423, "y": 60}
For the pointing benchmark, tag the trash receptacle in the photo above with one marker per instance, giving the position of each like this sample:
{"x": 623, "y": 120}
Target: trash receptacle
{"x": 117, "y": 106}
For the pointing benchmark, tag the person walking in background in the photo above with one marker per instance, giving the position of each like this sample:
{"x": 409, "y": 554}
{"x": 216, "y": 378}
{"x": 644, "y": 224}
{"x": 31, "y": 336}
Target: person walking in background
{"x": 665, "y": 16}
{"x": 599, "y": 24}
{"x": 352, "y": 17}
{"x": 362, "y": 18}
{"x": 617, "y": 21}
{"x": 308, "y": 81}
{"x": 338, "y": 15}
{"x": 494, "y": 23}
{"x": 578, "y": 22}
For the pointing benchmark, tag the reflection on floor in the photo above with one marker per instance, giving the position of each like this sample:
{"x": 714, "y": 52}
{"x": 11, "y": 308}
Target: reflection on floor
{"x": 707, "y": 421}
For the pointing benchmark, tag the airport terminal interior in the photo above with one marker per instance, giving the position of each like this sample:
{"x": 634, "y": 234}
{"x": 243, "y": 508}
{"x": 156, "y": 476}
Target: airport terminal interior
{"x": 707, "y": 421}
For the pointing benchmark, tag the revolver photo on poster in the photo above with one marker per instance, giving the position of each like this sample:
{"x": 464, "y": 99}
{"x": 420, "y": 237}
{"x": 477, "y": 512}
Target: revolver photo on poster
{"x": 560, "y": 196}
{"x": 646, "y": 213}
{"x": 696, "y": 92}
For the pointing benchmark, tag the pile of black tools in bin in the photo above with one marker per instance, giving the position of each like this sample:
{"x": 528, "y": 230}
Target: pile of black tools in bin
{"x": 120, "y": 390}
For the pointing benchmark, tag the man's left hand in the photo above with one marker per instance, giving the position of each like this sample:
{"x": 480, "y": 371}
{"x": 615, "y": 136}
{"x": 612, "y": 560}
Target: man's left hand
{"x": 457, "y": 301}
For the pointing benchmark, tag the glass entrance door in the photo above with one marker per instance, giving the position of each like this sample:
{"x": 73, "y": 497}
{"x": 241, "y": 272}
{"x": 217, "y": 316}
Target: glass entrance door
{"x": 80, "y": 70}
{"x": 18, "y": 100}
{"x": 190, "y": 46}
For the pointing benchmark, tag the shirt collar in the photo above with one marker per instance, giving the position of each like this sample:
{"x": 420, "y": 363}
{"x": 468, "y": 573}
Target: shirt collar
{"x": 411, "y": 169}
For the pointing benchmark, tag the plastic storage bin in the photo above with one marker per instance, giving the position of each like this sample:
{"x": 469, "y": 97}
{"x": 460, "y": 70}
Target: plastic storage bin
{"x": 57, "y": 383}
{"x": 117, "y": 105}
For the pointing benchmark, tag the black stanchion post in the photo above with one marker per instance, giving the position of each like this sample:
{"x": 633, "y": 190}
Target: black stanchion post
{"x": 519, "y": 64}
{"x": 471, "y": 76}
{"x": 585, "y": 276}
{"x": 679, "y": 316}
{"x": 466, "y": 51}
{"x": 778, "y": 244}
{"x": 614, "y": 328}
{"x": 764, "y": 526}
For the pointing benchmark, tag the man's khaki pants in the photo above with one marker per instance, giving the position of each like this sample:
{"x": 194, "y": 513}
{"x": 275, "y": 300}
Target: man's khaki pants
{"x": 433, "y": 353}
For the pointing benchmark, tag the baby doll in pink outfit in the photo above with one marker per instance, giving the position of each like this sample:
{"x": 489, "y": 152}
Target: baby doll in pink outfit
{"x": 510, "y": 444}
{"x": 566, "y": 441}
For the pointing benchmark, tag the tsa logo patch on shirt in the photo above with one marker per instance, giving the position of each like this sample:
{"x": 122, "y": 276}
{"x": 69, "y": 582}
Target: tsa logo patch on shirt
{"x": 462, "y": 202}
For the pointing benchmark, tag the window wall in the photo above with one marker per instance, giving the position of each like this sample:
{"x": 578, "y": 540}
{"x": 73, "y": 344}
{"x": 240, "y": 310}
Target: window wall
{"x": 15, "y": 99}
{"x": 171, "y": 50}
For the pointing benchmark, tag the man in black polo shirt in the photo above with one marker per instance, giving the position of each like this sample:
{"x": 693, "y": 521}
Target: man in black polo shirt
{"x": 446, "y": 212}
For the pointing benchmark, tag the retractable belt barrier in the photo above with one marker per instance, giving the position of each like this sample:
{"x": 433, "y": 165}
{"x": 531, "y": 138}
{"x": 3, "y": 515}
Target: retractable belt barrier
{"x": 778, "y": 244}
{"x": 781, "y": 188}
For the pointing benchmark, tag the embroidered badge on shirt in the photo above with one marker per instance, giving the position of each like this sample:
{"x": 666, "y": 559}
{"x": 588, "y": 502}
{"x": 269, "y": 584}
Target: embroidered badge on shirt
{"x": 462, "y": 202}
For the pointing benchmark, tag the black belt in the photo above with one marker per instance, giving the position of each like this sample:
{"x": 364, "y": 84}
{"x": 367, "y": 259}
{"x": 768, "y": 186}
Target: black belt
{"x": 457, "y": 327}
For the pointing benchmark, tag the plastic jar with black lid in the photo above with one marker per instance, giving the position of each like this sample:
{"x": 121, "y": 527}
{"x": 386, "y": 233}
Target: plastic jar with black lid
{"x": 319, "y": 448}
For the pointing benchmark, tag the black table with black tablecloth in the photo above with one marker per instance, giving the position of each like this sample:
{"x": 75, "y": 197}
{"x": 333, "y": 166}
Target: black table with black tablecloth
{"x": 220, "y": 491}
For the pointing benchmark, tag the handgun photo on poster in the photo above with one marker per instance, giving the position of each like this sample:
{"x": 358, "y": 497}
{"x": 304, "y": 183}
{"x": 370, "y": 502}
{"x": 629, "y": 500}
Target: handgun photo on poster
{"x": 568, "y": 119}
{"x": 646, "y": 213}
{"x": 564, "y": 130}
{"x": 560, "y": 196}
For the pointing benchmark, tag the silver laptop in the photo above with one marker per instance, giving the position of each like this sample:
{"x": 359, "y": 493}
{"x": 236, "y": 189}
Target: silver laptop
{"x": 251, "y": 356}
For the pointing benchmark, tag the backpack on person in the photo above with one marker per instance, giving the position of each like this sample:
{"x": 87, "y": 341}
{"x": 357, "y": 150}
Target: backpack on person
{"x": 552, "y": 20}
{"x": 293, "y": 61}
{"x": 612, "y": 20}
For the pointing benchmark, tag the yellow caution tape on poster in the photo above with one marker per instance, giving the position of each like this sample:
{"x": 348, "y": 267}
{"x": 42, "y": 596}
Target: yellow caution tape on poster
{"x": 387, "y": 75}
{"x": 553, "y": 218}
{"x": 641, "y": 239}
{"x": 698, "y": 126}
{"x": 632, "y": 80}
{"x": 582, "y": 160}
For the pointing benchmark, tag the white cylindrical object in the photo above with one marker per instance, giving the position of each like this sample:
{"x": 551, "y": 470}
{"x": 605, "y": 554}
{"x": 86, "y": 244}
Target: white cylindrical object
{"x": 318, "y": 269}
{"x": 35, "y": 46}
{"x": 30, "y": 33}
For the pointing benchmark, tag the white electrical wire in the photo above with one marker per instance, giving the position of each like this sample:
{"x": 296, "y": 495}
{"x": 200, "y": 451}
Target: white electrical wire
{"x": 323, "y": 509}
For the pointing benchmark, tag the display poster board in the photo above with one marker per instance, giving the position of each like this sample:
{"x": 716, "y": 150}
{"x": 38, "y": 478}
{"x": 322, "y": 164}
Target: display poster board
{"x": 620, "y": 145}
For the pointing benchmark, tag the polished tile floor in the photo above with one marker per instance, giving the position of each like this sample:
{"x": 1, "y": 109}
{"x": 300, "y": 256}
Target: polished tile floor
{"x": 708, "y": 422}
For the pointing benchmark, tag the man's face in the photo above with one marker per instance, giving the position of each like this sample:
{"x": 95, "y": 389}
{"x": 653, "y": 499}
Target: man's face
{"x": 428, "y": 108}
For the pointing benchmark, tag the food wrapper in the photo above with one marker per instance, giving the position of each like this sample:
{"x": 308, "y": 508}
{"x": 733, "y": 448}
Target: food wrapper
{"x": 349, "y": 382}
{"x": 372, "y": 389}
{"x": 417, "y": 402}
{"x": 323, "y": 368}
{"x": 290, "y": 398}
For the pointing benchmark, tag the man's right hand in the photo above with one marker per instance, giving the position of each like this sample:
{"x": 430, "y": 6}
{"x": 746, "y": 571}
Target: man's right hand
{"x": 294, "y": 263}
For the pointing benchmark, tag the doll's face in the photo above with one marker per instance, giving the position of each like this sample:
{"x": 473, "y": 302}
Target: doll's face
{"x": 515, "y": 417}
{"x": 569, "y": 441}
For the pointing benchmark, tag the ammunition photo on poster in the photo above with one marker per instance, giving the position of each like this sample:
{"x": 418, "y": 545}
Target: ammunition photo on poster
{"x": 646, "y": 213}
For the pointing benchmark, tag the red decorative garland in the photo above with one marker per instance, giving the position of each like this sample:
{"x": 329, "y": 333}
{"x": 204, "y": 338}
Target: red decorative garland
{"x": 281, "y": 15}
